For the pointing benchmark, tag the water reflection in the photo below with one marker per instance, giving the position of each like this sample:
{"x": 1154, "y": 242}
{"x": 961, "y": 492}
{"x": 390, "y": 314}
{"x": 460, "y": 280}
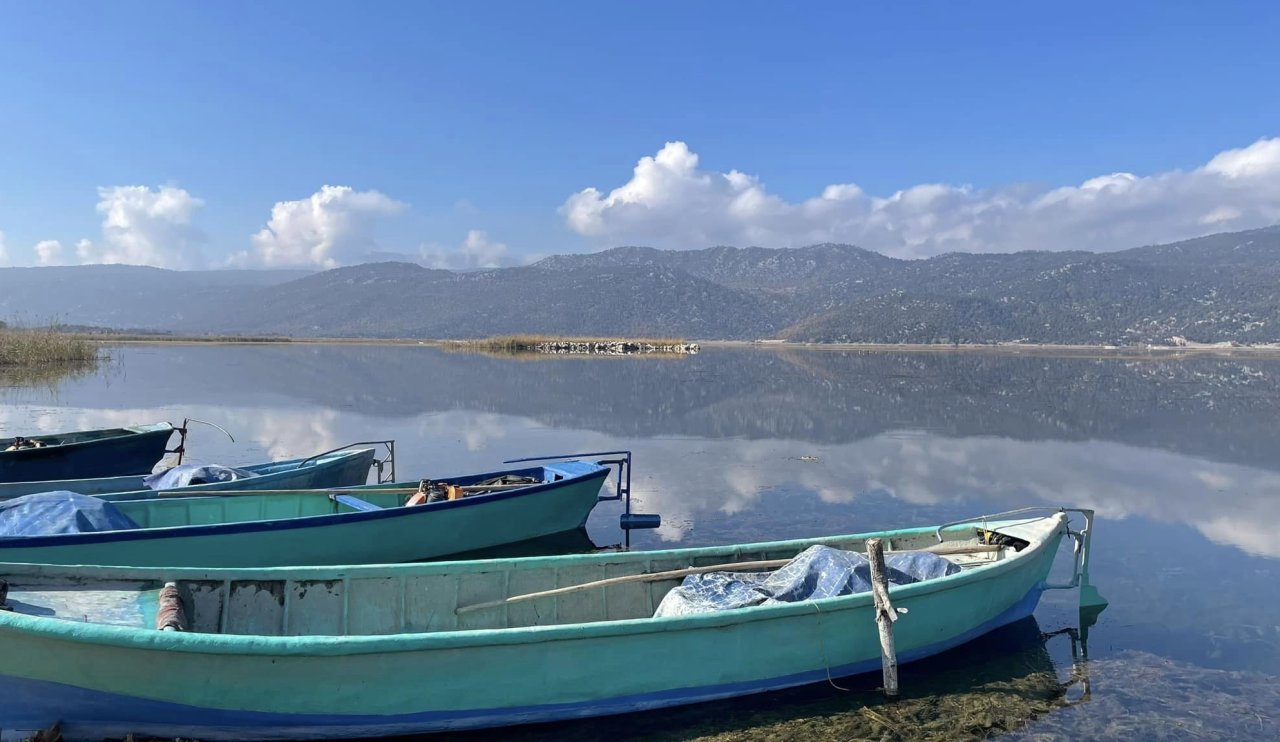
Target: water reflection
{"x": 1178, "y": 457}
{"x": 1216, "y": 408}
{"x": 996, "y": 684}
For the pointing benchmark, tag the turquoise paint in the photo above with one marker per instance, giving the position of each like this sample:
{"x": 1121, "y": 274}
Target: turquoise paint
{"x": 309, "y": 528}
{"x": 343, "y": 469}
{"x": 460, "y": 677}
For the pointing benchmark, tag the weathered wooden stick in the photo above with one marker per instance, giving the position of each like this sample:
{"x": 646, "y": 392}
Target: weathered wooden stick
{"x": 885, "y": 615}
{"x": 338, "y": 491}
{"x": 674, "y": 573}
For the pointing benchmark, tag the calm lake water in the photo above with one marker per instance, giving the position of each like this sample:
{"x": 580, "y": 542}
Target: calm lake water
{"x": 1181, "y": 459}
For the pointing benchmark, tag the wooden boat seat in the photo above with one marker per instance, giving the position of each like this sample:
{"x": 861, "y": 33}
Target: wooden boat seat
{"x": 352, "y": 501}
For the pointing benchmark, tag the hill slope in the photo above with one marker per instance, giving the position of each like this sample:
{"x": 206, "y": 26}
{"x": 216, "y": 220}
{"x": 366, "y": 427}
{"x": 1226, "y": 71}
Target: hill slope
{"x": 125, "y": 296}
{"x": 1222, "y": 287}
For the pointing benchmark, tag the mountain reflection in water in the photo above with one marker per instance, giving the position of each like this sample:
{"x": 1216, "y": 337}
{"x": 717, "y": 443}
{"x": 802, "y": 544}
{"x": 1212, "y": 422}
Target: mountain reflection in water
{"x": 1179, "y": 458}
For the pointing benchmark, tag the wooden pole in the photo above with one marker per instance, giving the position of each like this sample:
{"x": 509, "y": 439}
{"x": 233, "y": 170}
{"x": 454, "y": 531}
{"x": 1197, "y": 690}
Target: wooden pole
{"x": 676, "y": 573}
{"x": 885, "y": 615}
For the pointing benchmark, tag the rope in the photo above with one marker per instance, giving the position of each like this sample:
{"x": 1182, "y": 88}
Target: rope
{"x": 822, "y": 647}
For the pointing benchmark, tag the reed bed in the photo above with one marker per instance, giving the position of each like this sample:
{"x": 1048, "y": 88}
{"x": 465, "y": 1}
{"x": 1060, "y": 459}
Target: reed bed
{"x": 530, "y": 343}
{"x": 44, "y": 347}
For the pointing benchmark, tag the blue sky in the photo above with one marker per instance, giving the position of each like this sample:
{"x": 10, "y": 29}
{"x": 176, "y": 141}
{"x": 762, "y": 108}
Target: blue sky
{"x": 491, "y": 117}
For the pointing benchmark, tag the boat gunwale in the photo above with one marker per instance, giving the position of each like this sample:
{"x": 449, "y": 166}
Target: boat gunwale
{"x": 300, "y": 464}
{"x": 283, "y": 524}
{"x": 130, "y": 431}
{"x": 347, "y": 645}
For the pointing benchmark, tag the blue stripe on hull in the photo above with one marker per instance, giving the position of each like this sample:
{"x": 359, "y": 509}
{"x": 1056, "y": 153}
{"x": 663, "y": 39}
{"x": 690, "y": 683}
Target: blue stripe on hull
{"x": 92, "y": 715}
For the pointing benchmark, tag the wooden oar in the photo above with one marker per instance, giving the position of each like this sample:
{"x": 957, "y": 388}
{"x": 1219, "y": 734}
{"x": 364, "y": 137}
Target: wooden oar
{"x": 340, "y": 491}
{"x": 941, "y": 549}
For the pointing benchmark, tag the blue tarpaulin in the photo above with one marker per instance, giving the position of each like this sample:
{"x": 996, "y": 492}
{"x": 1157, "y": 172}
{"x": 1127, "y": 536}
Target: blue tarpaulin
{"x": 817, "y": 572}
{"x": 49, "y": 513}
{"x": 185, "y": 475}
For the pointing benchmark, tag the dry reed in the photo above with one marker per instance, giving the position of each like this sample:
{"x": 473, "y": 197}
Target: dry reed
{"x": 45, "y": 346}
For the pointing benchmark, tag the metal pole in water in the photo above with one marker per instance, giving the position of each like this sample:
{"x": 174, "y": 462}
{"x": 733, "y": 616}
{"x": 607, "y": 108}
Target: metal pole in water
{"x": 885, "y": 615}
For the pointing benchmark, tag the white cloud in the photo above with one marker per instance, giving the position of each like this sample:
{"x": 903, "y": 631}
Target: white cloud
{"x": 670, "y": 202}
{"x": 476, "y": 251}
{"x": 48, "y": 252}
{"x": 4, "y": 251}
{"x": 333, "y": 226}
{"x": 142, "y": 226}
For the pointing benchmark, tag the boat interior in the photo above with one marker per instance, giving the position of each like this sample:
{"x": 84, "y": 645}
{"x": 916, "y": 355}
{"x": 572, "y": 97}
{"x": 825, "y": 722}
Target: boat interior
{"x": 64, "y": 439}
{"x": 249, "y": 506}
{"x": 438, "y": 597}
{"x": 134, "y": 483}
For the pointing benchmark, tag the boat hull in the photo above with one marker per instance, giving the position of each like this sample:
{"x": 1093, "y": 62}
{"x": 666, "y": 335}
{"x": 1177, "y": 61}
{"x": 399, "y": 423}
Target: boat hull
{"x": 345, "y": 469}
{"x": 277, "y": 538}
{"x": 133, "y": 451}
{"x": 380, "y": 686}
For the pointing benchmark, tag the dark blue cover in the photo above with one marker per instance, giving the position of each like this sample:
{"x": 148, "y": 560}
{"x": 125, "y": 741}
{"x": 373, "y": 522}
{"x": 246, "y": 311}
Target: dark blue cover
{"x": 49, "y": 513}
{"x": 185, "y": 475}
{"x": 817, "y": 572}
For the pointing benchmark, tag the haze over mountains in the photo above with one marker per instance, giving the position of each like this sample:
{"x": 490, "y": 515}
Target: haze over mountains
{"x": 1219, "y": 288}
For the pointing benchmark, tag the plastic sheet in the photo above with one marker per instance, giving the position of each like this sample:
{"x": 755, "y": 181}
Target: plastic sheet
{"x": 185, "y": 475}
{"x": 50, "y": 513}
{"x": 817, "y": 572}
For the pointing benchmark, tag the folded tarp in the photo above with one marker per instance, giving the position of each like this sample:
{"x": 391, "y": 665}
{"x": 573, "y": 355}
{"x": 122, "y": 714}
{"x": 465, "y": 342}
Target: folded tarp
{"x": 817, "y": 572}
{"x": 50, "y": 513}
{"x": 185, "y": 475}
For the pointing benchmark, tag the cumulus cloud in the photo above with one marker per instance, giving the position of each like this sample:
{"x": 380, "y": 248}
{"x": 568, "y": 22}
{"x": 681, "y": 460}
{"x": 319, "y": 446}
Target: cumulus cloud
{"x": 48, "y": 252}
{"x": 331, "y": 227}
{"x": 145, "y": 226}
{"x": 671, "y": 202}
{"x": 476, "y": 251}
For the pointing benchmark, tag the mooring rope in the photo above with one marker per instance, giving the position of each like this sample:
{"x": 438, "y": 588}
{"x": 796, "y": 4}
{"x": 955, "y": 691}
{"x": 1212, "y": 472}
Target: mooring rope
{"x": 822, "y": 646}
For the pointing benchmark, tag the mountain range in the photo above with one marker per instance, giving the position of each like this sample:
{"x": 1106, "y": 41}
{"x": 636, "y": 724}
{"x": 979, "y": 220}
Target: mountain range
{"x": 1220, "y": 288}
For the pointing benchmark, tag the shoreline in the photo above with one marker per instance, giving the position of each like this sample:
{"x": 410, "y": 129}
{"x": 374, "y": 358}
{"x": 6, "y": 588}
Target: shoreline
{"x": 1028, "y": 349}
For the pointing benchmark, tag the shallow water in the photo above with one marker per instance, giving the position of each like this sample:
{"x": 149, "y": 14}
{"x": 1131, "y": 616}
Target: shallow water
{"x": 1179, "y": 458}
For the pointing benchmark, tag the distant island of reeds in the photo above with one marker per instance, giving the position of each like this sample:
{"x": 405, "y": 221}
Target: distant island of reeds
{"x": 552, "y": 345}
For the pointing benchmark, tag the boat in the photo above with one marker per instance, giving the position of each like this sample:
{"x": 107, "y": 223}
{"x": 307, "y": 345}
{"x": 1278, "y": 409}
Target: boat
{"x": 349, "y": 525}
{"x": 88, "y": 453}
{"x": 336, "y": 469}
{"x": 380, "y": 650}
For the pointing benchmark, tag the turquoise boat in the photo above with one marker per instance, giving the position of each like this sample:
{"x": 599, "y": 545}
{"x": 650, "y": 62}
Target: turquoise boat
{"x": 373, "y": 523}
{"x": 369, "y": 651}
{"x": 87, "y": 453}
{"x": 339, "y": 469}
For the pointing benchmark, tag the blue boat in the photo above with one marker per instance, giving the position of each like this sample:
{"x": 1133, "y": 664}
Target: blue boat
{"x": 338, "y": 469}
{"x": 266, "y": 528}
{"x": 87, "y": 453}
